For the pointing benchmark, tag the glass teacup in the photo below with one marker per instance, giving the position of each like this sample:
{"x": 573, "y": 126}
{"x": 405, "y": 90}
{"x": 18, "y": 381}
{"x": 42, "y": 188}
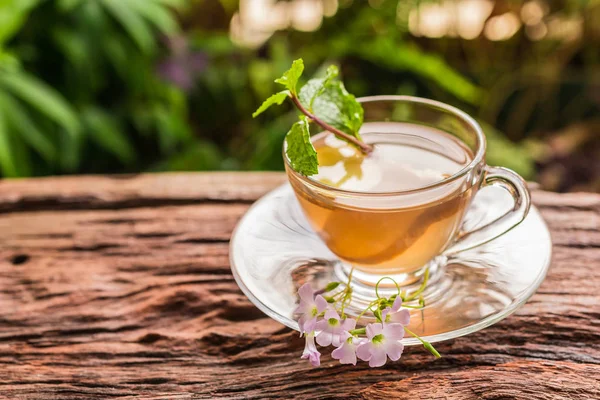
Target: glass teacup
{"x": 401, "y": 232}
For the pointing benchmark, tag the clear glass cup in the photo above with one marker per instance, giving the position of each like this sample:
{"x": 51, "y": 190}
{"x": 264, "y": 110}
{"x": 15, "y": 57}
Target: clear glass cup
{"x": 412, "y": 227}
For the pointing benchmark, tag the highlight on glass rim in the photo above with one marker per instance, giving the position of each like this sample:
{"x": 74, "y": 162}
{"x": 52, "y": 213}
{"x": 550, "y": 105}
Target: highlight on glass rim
{"x": 299, "y": 199}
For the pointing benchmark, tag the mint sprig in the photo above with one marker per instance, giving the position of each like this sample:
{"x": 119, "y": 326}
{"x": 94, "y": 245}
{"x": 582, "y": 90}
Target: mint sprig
{"x": 324, "y": 101}
{"x": 291, "y": 76}
{"x": 300, "y": 151}
{"x": 277, "y": 98}
{"x": 316, "y": 87}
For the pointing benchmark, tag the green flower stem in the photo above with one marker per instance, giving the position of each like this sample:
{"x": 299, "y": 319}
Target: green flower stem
{"x": 335, "y": 297}
{"x": 413, "y": 307}
{"x": 338, "y": 294}
{"x": 371, "y": 304}
{"x": 348, "y": 291}
{"x": 359, "y": 331}
{"x": 364, "y": 147}
{"x": 425, "y": 343}
{"x": 379, "y": 281}
{"x": 420, "y": 289}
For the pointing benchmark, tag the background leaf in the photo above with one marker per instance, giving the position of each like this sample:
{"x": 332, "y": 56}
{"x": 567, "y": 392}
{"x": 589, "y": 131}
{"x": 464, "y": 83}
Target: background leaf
{"x": 43, "y": 98}
{"x": 13, "y": 14}
{"x": 400, "y": 56}
{"x": 132, "y": 22}
{"x": 127, "y": 59}
{"x": 7, "y": 161}
{"x": 156, "y": 14}
{"x": 68, "y": 5}
{"x": 19, "y": 121}
{"x": 104, "y": 131}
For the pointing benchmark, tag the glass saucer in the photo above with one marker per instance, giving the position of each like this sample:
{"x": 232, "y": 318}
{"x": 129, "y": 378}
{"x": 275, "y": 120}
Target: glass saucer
{"x": 274, "y": 251}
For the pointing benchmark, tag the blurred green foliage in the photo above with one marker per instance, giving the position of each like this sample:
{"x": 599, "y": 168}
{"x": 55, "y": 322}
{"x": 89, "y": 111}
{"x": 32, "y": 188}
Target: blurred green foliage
{"x": 78, "y": 88}
{"x": 93, "y": 86}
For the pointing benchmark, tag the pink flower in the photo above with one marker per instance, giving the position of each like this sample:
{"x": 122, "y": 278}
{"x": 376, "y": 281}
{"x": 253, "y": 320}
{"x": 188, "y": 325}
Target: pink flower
{"x": 395, "y": 314}
{"x": 384, "y": 341}
{"x": 309, "y": 307}
{"x": 310, "y": 350}
{"x": 346, "y": 353}
{"x": 332, "y": 328}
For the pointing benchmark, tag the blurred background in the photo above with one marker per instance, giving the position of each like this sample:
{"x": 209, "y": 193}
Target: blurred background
{"x": 125, "y": 86}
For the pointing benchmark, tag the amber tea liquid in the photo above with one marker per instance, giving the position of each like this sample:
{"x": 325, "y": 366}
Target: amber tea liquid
{"x": 387, "y": 234}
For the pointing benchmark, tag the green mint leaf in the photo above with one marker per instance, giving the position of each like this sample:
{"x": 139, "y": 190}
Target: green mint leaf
{"x": 315, "y": 87}
{"x": 328, "y": 103}
{"x": 338, "y": 108}
{"x": 277, "y": 98}
{"x": 291, "y": 76}
{"x": 300, "y": 150}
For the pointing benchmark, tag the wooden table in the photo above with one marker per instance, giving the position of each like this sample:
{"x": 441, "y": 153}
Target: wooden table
{"x": 119, "y": 287}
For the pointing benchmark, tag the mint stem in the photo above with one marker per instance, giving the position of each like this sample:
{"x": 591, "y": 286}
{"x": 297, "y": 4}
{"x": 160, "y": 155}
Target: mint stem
{"x": 364, "y": 147}
{"x": 348, "y": 291}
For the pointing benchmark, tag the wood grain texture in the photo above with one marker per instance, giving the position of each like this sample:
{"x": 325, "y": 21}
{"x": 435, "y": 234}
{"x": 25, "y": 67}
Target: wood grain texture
{"x": 119, "y": 287}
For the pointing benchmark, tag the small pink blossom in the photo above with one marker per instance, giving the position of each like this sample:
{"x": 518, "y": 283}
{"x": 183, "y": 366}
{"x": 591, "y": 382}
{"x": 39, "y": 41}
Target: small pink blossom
{"x": 346, "y": 353}
{"x": 332, "y": 328}
{"x": 384, "y": 341}
{"x": 310, "y": 350}
{"x": 309, "y": 307}
{"x": 395, "y": 314}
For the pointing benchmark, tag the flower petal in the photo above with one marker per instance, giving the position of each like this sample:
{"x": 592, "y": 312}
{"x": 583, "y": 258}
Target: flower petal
{"x": 306, "y": 293}
{"x": 394, "y": 349}
{"x": 324, "y": 338}
{"x": 378, "y": 357}
{"x": 345, "y": 335}
{"x": 315, "y": 359}
{"x": 310, "y": 351}
{"x": 330, "y": 313}
{"x": 397, "y": 304}
{"x": 374, "y": 330}
{"x": 401, "y": 317}
{"x": 321, "y": 325}
{"x": 336, "y": 339}
{"x": 393, "y": 331}
{"x": 307, "y": 323}
{"x": 302, "y": 321}
{"x": 363, "y": 351}
{"x": 384, "y": 314}
{"x": 321, "y": 303}
{"x": 303, "y": 307}
{"x": 346, "y": 353}
{"x": 348, "y": 324}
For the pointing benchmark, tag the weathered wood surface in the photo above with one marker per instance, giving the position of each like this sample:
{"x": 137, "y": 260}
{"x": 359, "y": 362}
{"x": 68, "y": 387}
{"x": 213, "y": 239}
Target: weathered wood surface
{"x": 120, "y": 287}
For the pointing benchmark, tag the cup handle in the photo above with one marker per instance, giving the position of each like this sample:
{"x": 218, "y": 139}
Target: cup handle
{"x": 513, "y": 184}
